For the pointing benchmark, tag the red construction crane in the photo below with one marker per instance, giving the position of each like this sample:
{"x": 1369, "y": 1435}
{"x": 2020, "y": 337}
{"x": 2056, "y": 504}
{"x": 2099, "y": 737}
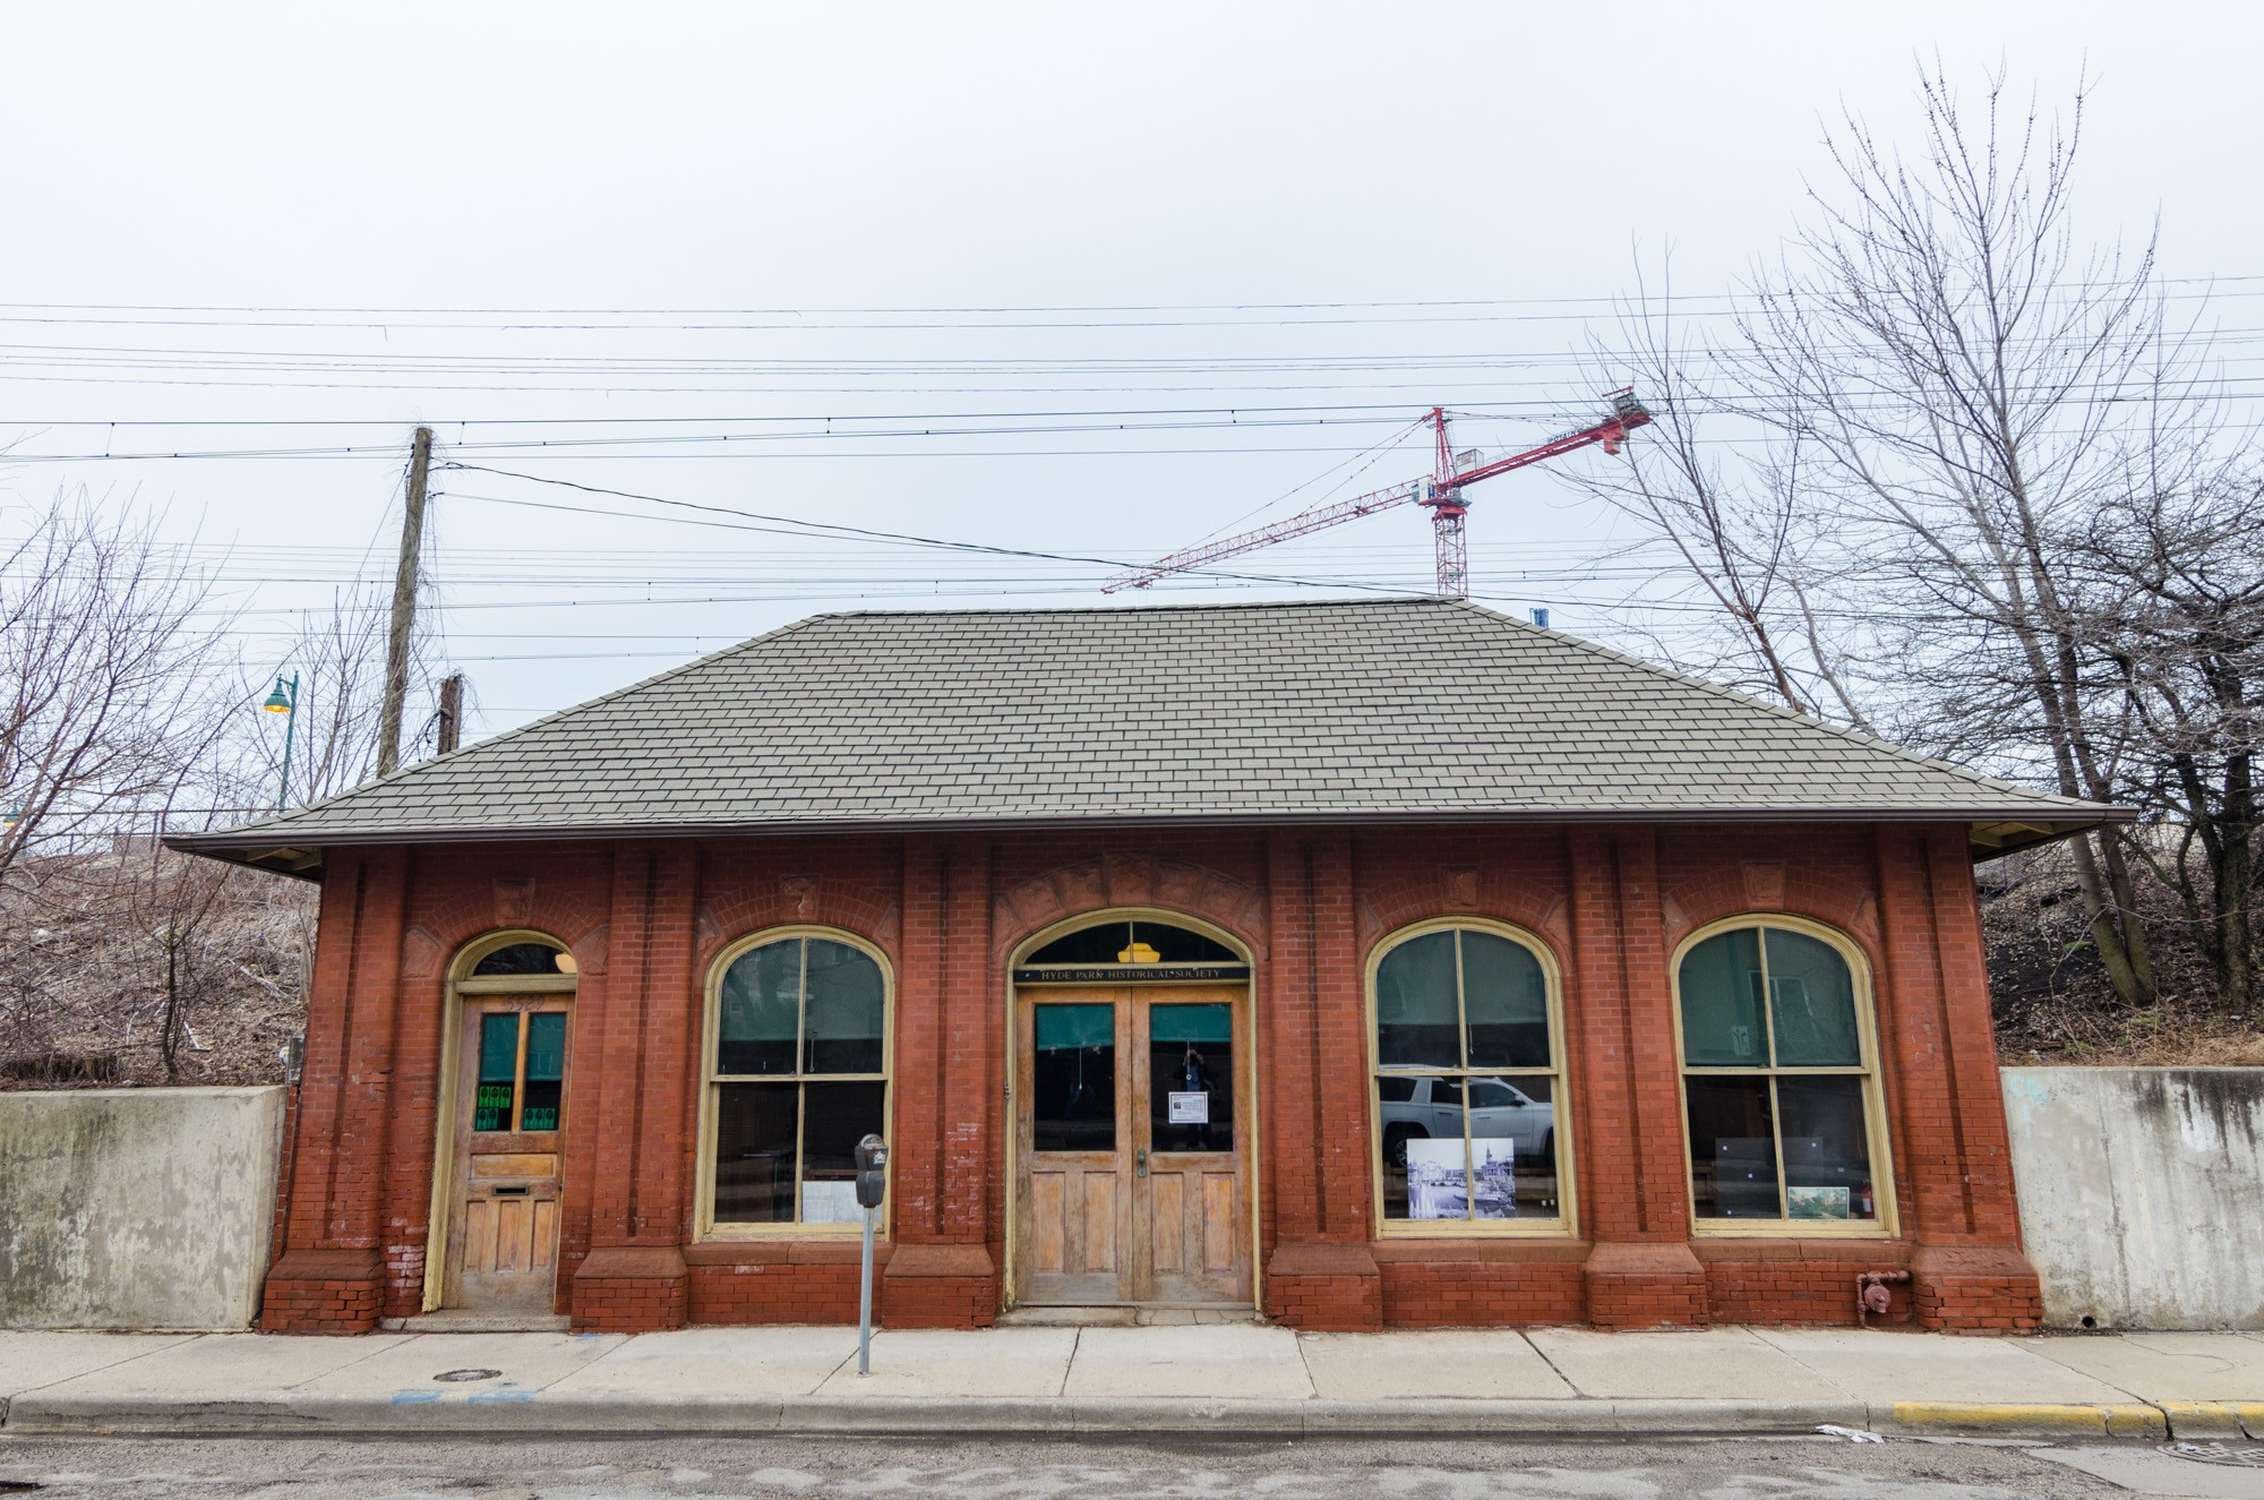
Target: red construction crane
{"x": 1441, "y": 492}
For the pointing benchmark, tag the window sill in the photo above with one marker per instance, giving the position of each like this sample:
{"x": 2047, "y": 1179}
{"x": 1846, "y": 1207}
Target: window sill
{"x": 779, "y": 1250}
{"x": 1790, "y": 1229}
{"x": 1407, "y": 1249}
{"x": 1473, "y": 1229}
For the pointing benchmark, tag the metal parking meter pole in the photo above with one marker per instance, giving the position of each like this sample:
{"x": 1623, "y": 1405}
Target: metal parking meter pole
{"x": 872, "y": 1184}
{"x": 865, "y": 1302}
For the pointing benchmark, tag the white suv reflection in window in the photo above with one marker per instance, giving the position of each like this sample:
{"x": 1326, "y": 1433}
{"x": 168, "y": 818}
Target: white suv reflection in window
{"x": 1426, "y": 1108}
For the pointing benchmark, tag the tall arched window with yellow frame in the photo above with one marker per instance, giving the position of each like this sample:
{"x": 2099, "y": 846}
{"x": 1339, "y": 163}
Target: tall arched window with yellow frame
{"x": 1780, "y": 1080}
{"x": 797, "y": 1068}
{"x": 1467, "y": 1047}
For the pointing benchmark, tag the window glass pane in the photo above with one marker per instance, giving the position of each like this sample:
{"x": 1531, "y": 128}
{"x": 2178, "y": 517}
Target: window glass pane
{"x": 760, "y": 1010}
{"x": 835, "y": 1116}
{"x": 843, "y": 1026}
{"x": 1191, "y": 1077}
{"x": 1416, "y": 1023}
{"x": 521, "y": 958}
{"x": 1827, "y": 1157}
{"x": 1733, "y": 1149}
{"x": 546, "y": 1070}
{"x": 1109, "y": 942}
{"x": 754, "y": 1153}
{"x": 499, "y": 1071}
{"x": 1813, "y": 995}
{"x": 1073, "y": 1078}
{"x": 1506, "y": 1002}
{"x": 1721, "y": 1002}
{"x": 1513, "y": 1147}
{"x": 1176, "y": 945}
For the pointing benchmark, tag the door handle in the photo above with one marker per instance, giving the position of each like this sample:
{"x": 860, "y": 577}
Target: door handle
{"x": 1140, "y": 1162}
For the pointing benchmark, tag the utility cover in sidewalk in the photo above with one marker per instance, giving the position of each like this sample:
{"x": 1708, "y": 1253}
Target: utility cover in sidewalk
{"x": 2240, "y": 1456}
{"x": 453, "y": 1375}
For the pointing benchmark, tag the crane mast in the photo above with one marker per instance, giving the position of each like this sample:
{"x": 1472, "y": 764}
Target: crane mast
{"x": 1440, "y": 493}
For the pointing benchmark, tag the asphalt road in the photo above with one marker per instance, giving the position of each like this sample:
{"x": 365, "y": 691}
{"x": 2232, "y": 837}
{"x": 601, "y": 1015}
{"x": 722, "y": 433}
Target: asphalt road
{"x": 907, "y": 1469}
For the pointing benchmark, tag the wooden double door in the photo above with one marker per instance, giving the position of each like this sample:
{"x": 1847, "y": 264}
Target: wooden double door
{"x": 1133, "y": 1145}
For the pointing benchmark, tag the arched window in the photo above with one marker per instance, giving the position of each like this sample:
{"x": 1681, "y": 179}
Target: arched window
{"x": 1469, "y": 1123}
{"x": 797, "y": 1073}
{"x": 1780, "y": 1080}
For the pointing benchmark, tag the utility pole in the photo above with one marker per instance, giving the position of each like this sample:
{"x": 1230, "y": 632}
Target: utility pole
{"x": 404, "y": 607}
{"x": 451, "y": 711}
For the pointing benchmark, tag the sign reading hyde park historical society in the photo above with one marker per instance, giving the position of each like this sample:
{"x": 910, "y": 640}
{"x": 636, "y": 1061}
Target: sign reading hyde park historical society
{"x": 1145, "y": 974}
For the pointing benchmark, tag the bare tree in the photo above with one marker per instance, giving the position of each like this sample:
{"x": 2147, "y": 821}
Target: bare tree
{"x": 1960, "y": 373}
{"x": 108, "y": 680}
{"x": 2174, "y": 585}
{"x": 1738, "y": 524}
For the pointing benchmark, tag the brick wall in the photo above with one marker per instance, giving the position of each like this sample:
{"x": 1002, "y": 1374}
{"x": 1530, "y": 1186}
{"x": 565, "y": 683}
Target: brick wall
{"x": 647, "y": 921}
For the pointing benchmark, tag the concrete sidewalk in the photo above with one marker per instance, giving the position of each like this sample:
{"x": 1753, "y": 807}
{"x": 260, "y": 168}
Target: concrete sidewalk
{"x": 1226, "y": 1380}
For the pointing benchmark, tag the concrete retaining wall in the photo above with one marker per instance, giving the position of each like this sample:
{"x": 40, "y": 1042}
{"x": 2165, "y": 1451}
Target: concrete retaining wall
{"x": 2142, "y": 1193}
{"x": 136, "y": 1208}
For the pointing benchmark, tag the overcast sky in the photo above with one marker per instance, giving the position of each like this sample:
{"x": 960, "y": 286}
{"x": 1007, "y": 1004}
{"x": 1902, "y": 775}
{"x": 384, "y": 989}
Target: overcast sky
{"x": 1203, "y": 207}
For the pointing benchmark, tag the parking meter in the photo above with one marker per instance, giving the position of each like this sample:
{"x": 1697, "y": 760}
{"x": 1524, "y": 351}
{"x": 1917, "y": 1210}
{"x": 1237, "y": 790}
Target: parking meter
{"x": 872, "y": 1183}
{"x": 872, "y": 1171}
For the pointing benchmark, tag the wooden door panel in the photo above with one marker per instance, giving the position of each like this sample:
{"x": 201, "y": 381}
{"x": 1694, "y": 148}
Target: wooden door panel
{"x": 1221, "y": 1216}
{"x": 1168, "y": 1223}
{"x": 1049, "y": 1222}
{"x": 1099, "y": 1237}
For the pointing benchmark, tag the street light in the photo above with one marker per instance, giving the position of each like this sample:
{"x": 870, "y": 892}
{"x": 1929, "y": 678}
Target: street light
{"x": 285, "y": 702}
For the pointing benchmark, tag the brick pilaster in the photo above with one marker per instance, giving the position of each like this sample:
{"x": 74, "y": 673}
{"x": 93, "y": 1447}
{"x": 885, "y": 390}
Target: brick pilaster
{"x": 1320, "y": 1272}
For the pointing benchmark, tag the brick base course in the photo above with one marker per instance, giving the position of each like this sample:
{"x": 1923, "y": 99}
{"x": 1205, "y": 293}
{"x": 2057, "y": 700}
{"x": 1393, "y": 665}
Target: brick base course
{"x": 1646, "y": 1286}
{"x": 631, "y": 1290}
{"x": 322, "y": 1291}
{"x": 1975, "y": 1290}
{"x": 1327, "y": 1288}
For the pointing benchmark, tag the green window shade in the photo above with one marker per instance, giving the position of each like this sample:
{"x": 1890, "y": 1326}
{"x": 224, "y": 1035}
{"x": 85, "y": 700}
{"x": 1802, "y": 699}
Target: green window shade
{"x": 842, "y": 1029}
{"x": 1506, "y": 1001}
{"x": 1206, "y": 1024}
{"x": 546, "y": 1071}
{"x": 1416, "y": 1020}
{"x": 1812, "y": 1002}
{"x": 761, "y": 1010}
{"x": 1722, "y": 1025}
{"x": 1060, "y": 1027}
{"x": 499, "y": 1071}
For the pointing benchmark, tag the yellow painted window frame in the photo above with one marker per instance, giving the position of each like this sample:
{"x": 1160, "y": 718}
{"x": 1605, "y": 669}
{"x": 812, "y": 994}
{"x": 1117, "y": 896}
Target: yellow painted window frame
{"x": 1566, "y": 1222}
{"x": 1888, "y": 1224}
{"x": 712, "y": 1084}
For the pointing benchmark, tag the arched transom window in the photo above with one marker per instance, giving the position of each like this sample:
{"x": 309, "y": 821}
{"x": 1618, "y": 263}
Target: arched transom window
{"x": 1470, "y": 1129}
{"x": 1780, "y": 1080}
{"x": 797, "y": 1074}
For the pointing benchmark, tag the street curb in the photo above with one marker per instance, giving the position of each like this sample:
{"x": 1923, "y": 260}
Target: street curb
{"x": 2131, "y": 1419}
{"x": 597, "y": 1414}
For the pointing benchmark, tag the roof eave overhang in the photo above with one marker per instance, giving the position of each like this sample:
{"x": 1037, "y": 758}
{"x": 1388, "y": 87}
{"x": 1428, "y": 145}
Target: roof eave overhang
{"x": 1994, "y": 830}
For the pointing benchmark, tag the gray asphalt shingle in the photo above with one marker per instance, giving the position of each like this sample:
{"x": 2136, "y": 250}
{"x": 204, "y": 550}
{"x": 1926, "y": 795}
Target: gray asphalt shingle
{"x": 1387, "y": 708}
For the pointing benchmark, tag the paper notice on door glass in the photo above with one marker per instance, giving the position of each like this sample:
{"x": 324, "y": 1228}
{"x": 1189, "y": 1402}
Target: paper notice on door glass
{"x": 1190, "y": 1108}
{"x": 830, "y": 1203}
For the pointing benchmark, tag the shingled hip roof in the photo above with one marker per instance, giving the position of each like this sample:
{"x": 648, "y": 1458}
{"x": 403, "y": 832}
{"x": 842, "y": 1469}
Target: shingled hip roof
{"x": 1365, "y": 711}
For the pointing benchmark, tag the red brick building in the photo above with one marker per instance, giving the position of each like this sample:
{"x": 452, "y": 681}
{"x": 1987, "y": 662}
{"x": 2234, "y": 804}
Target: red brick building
{"x": 1380, "y": 965}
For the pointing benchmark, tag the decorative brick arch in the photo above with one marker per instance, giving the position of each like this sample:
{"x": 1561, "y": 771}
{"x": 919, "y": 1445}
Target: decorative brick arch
{"x": 565, "y": 910}
{"x": 1136, "y": 881}
{"x": 1762, "y": 888}
{"x": 797, "y": 900}
{"x": 1404, "y": 897}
